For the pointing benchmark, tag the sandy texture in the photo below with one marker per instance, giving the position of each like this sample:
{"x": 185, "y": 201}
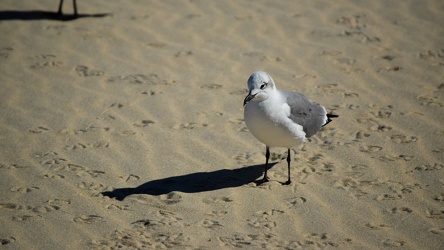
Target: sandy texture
{"x": 126, "y": 130}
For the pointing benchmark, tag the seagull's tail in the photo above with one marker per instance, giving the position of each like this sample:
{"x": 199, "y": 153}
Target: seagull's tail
{"x": 329, "y": 116}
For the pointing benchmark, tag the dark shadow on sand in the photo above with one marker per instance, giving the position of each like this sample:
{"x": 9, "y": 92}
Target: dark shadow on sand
{"x": 11, "y": 15}
{"x": 194, "y": 183}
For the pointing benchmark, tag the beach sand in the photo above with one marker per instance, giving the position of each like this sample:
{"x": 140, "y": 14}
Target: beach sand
{"x": 124, "y": 128}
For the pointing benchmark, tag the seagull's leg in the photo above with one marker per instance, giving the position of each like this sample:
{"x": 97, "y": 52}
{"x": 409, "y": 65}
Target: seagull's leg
{"x": 60, "y": 7}
{"x": 267, "y": 156}
{"x": 75, "y": 7}
{"x": 288, "y": 162}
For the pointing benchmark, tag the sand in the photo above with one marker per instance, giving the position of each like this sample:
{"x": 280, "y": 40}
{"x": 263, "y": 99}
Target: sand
{"x": 124, "y": 128}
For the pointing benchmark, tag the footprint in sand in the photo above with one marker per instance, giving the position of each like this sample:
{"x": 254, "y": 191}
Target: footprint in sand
{"x": 83, "y": 171}
{"x": 260, "y": 56}
{"x": 264, "y": 219}
{"x": 77, "y": 146}
{"x": 58, "y": 28}
{"x": 139, "y": 17}
{"x": 142, "y": 236}
{"x": 50, "y": 158}
{"x": 94, "y": 187}
{"x": 211, "y": 224}
{"x": 171, "y": 198}
{"x": 11, "y": 206}
{"x": 184, "y": 53}
{"x": 439, "y": 197}
{"x": 150, "y": 93}
{"x": 17, "y": 166}
{"x": 116, "y": 105}
{"x": 403, "y": 139}
{"x": 296, "y": 201}
{"x": 45, "y": 208}
{"x": 157, "y": 45}
{"x": 217, "y": 213}
{"x": 354, "y": 188}
{"x": 86, "y": 72}
{"x": 388, "y": 197}
{"x": 392, "y": 243}
{"x": 40, "y": 209}
{"x": 432, "y": 96}
{"x": 46, "y": 61}
{"x": 58, "y": 202}
{"x": 118, "y": 207}
{"x": 374, "y": 125}
{"x": 439, "y": 231}
{"x": 190, "y": 125}
{"x": 223, "y": 199}
{"x": 5, "y": 52}
{"x": 6, "y": 241}
{"x": 357, "y": 170}
{"x": 331, "y": 53}
{"x": 24, "y": 190}
{"x": 352, "y": 21}
{"x": 397, "y": 210}
{"x": 370, "y": 149}
{"x": 22, "y": 217}
{"x": 390, "y": 157}
{"x": 402, "y": 188}
{"x": 130, "y": 178}
{"x": 322, "y": 240}
{"x": 247, "y": 157}
{"x": 236, "y": 121}
{"x": 347, "y": 65}
{"x": 436, "y": 57}
{"x": 238, "y": 241}
{"x": 433, "y": 214}
{"x": 151, "y": 79}
{"x": 54, "y": 176}
{"x": 211, "y": 86}
{"x": 240, "y": 124}
{"x": 143, "y": 123}
{"x": 375, "y": 227}
{"x": 89, "y": 219}
{"x": 381, "y": 111}
{"x": 326, "y": 167}
{"x": 167, "y": 219}
{"x": 347, "y": 183}
{"x": 38, "y": 130}
{"x": 262, "y": 223}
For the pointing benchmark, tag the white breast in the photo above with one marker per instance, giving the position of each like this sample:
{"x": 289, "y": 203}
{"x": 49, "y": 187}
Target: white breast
{"x": 270, "y": 124}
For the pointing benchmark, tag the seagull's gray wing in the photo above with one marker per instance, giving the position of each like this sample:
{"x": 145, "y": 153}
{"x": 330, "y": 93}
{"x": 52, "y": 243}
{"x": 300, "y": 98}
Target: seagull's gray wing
{"x": 310, "y": 115}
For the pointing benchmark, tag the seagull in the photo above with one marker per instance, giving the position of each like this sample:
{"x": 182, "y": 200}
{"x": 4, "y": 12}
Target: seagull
{"x": 280, "y": 118}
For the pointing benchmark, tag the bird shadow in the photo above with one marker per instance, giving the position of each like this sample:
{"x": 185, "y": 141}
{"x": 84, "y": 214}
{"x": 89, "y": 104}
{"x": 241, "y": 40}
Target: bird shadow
{"x": 194, "y": 182}
{"x": 11, "y": 15}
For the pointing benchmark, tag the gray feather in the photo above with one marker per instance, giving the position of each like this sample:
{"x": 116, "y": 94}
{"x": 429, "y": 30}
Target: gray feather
{"x": 310, "y": 115}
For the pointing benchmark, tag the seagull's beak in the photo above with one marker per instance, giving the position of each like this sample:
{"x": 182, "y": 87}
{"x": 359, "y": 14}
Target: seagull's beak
{"x": 248, "y": 98}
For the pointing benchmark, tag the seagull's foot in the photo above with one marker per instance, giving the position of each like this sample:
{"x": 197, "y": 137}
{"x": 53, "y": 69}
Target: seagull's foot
{"x": 261, "y": 181}
{"x": 287, "y": 183}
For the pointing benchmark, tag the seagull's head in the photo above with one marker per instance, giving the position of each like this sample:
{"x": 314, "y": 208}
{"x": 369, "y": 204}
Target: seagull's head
{"x": 260, "y": 87}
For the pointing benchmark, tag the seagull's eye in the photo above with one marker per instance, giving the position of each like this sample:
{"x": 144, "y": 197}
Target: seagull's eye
{"x": 264, "y": 85}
